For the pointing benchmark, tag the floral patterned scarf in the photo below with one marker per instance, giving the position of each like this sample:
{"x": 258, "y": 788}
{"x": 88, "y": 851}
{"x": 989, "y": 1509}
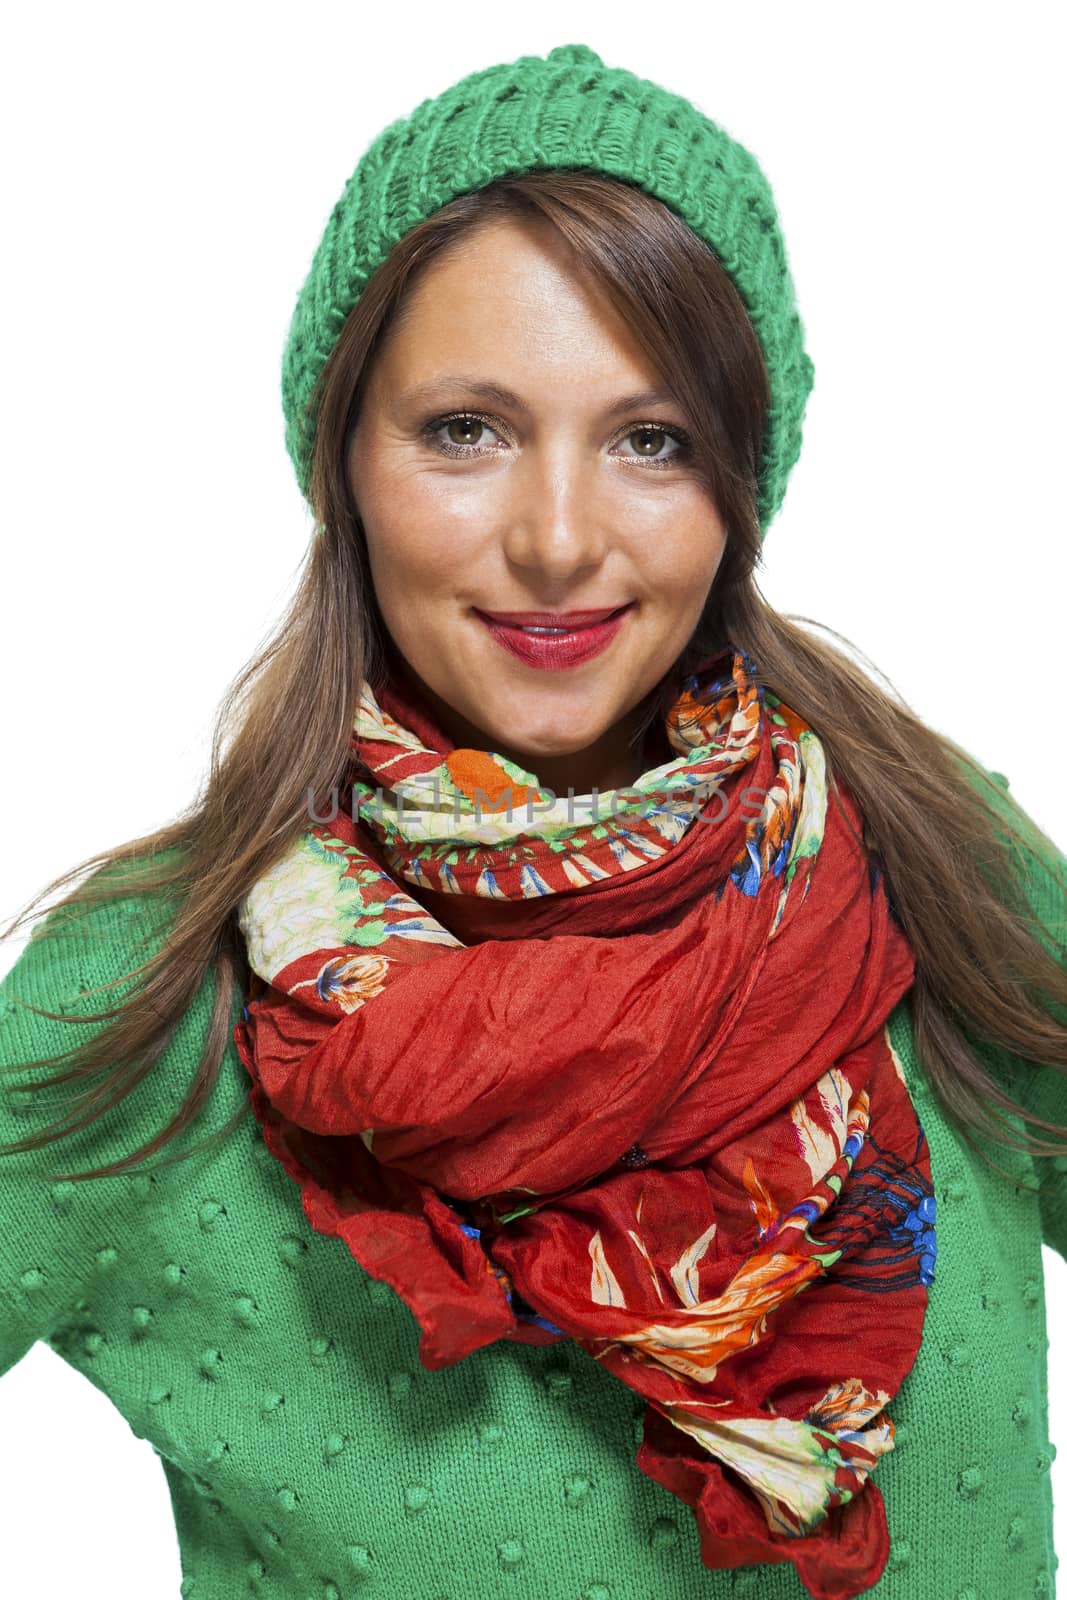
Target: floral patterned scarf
{"x": 616, "y": 1069}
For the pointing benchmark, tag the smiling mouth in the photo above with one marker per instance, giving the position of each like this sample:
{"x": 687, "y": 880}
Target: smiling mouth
{"x": 557, "y": 646}
{"x": 549, "y": 625}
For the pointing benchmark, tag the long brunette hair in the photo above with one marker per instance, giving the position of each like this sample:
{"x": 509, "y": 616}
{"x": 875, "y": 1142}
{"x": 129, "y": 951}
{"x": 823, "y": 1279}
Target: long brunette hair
{"x": 953, "y": 866}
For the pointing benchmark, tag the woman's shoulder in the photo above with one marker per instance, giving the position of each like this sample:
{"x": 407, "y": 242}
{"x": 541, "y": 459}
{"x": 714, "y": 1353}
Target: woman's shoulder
{"x": 77, "y": 966}
{"x": 57, "y": 1232}
{"x": 74, "y": 948}
{"x": 1038, "y": 1087}
{"x": 1040, "y": 862}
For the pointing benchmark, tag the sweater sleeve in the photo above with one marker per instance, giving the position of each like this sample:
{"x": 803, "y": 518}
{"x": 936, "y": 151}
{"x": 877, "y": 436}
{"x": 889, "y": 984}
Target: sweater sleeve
{"x": 55, "y": 1235}
{"x": 1042, "y": 1089}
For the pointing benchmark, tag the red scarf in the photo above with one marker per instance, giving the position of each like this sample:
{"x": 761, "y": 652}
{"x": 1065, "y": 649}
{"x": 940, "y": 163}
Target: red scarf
{"x": 632, "y": 1088}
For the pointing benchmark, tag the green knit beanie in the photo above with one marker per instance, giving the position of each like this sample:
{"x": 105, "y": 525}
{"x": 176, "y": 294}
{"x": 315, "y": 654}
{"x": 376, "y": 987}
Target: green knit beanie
{"x": 565, "y": 110}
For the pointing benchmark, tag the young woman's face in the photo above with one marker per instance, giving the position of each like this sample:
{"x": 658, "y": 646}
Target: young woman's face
{"x": 556, "y": 497}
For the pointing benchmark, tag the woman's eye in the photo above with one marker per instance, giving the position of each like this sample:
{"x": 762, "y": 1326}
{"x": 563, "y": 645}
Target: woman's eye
{"x": 650, "y": 441}
{"x": 460, "y": 435}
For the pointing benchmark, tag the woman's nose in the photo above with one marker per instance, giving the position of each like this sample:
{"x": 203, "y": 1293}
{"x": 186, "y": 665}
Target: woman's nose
{"x": 555, "y": 517}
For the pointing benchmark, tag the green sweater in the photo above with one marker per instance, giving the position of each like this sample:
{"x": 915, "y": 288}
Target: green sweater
{"x": 309, "y": 1455}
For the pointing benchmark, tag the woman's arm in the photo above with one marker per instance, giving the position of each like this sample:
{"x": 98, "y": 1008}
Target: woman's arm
{"x": 56, "y": 1237}
{"x": 1043, "y": 1089}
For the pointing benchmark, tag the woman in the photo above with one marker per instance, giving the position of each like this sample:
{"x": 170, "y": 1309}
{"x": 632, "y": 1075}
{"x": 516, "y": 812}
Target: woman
{"x": 619, "y": 978}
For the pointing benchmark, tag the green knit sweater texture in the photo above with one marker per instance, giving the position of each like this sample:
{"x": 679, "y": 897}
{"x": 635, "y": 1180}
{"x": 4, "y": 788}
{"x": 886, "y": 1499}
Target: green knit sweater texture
{"x": 310, "y": 1456}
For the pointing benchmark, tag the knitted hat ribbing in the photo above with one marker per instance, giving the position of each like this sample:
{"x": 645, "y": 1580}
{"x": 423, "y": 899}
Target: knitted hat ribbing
{"x": 565, "y": 110}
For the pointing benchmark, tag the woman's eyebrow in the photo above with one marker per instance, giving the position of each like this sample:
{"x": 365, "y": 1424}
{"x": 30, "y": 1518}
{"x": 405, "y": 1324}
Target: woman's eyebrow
{"x": 446, "y": 385}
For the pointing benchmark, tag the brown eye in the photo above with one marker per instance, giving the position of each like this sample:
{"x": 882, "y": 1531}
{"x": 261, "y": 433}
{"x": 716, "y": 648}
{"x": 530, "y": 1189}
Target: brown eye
{"x": 463, "y": 435}
{"x": 465, "y": 430}
{"x": 648, "y": 440}
{"x": 651, "y": 440}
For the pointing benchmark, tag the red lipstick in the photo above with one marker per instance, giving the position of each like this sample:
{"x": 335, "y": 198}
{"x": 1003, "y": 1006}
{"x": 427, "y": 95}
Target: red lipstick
{"x": 575, "y": 636}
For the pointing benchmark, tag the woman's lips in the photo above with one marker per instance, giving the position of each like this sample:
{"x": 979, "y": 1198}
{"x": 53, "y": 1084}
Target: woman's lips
{"x": 556, "y": 650}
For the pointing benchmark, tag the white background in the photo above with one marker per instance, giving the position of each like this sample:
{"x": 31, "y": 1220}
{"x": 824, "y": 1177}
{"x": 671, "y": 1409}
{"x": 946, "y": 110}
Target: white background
{"x": 168, "y": 175}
